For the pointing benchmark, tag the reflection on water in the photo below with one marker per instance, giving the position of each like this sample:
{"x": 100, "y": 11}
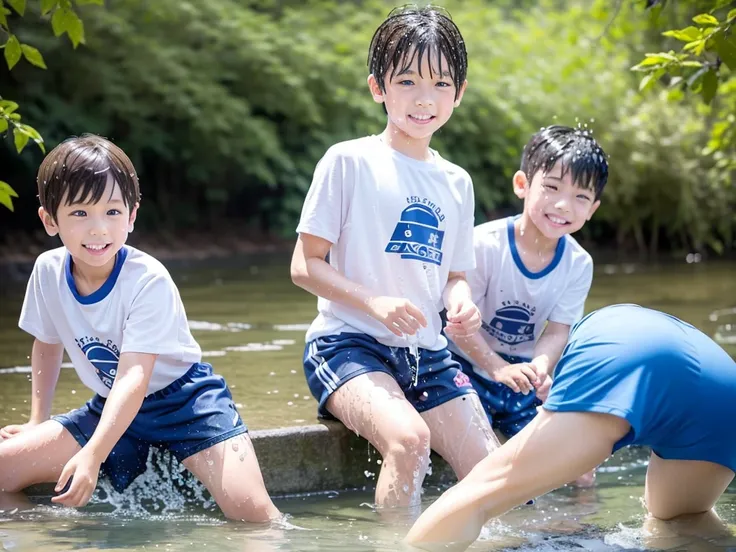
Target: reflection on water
{"x": 250, "y": 321}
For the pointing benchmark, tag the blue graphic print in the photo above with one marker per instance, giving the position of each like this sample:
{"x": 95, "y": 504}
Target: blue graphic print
{"x": 105, "y": 359}
{"x": 417, "y": 235}
{"x": 511, "y": 324}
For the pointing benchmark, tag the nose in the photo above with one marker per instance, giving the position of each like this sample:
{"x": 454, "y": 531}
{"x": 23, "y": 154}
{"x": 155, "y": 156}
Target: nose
{"x": 98, "y": 226}
{"x": 563, "y": 204}
{"x": 425, "y": 96}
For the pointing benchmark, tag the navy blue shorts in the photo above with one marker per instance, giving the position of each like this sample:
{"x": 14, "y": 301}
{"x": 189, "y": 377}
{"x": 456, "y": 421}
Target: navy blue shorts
{"x": 673, "y": 384}
{"x": 508, "y": 412}
{"x": 332, "y": 360}
{"x": 191, "y": 414}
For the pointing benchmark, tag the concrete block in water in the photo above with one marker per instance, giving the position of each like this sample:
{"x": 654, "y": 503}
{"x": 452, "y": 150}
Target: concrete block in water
{"x": 315, "y": 458}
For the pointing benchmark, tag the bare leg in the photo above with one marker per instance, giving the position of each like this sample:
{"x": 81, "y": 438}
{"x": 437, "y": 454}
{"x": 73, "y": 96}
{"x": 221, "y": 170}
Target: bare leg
{"x": 679, "y": 487}
{"x": 688, "y": 532}
{"x": 231, "y": 473}
{"x": 553, "y": 449}
{"x": 373, "y": 405}
{"x": 35, "y": 456}
{"x": 461, "y": 433}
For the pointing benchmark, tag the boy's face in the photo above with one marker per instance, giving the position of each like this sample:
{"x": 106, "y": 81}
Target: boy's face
{"x": 418, "y": 105}
{"x": 555, "y": 205}
{"x": 93, "y": 232}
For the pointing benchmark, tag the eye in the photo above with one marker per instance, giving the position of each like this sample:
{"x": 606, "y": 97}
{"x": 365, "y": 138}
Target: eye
{"x": 406, "y": 82}
{"x": 583, "y": 197}
{"x": 113, "y": 212}
{"x": 78, "y": 213}
{"x": 443, "y": 84}
{"x": 550, "y": 187}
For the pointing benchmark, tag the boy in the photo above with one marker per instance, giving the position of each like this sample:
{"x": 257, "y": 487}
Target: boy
{"x": 629, "y": 376}
{"x": 397, "y": 222}
{"x": 532, "y": 278}
{"x": 117, "y": 313}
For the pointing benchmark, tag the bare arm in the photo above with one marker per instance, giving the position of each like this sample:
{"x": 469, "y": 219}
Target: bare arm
{"x": 123, "y": 403}
{"x": 121, "y": 407}
{"x": 45, "y": 368}
{"x": 311, "y": 272}
{"x": 549, "y": 347}
{"x": 463, "y": 317}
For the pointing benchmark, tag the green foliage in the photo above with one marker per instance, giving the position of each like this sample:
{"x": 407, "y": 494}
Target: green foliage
{"x": 225, "y": 106}
{"x": 63, "y": 20}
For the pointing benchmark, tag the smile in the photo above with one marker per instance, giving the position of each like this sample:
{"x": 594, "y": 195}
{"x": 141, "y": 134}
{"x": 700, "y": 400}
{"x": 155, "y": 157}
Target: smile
{"x": 557, "y": 220}
{"x": 421, "y": 119}
{"x": 97, "y": 248}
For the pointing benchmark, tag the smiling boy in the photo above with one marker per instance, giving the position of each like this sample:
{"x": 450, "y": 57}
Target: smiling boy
{"x": 532, "y": 278}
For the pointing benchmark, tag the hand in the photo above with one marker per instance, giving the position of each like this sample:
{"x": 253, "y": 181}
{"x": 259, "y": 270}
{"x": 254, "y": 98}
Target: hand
{"x": 83, "y": 469}
{"x": 521, "y": 378}
{"x": 463, "y": 319}
{"x": 543, "y": 387}
{"x": 10, "y": 431}
{"x": 397, "y": 314}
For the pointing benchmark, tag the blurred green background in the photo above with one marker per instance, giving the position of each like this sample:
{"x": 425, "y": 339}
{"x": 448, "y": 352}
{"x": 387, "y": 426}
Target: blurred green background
{"x": 226, "y": 106}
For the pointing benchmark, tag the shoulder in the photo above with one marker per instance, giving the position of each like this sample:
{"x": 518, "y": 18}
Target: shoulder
{"x": 491, "y": 233}
{"x": 580, "y": 259}
{"x": 144, "y": 270}
{"x": 51, "y": 261}
{"x": 358, "y": 148}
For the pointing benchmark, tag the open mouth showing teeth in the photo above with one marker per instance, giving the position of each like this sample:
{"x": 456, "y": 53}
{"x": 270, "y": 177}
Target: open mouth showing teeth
{"x": 97, "y": 247}
{"x": 421, "y": 118}
{"x": 557, "y": 220}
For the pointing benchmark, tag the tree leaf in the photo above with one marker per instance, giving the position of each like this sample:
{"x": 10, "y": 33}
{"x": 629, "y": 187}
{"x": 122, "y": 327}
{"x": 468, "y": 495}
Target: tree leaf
{"x": 12, "y": 51}
{"x": 83, "y": 2}
{"x": 33, "y": 56}
{"x": 688, "y": 34}
{"x": 6, "y": 195}
{"x": 710, "y": 86}
{"x": 650, "y": 80}
{"x": 7, "y": 106}
{"x": 35, "y": 136}
{"x": 20, "y": 138}
{"x": 48, "y": 5}
{"x": 65, "y": 20}
{"x": 18, "y": 5}
{"x": 726, "y": 48}
{"x": 731, "y": 15}
{"x": 4, "y": 12}
{"x": 3, "y": 124}
{"x": 705, "y": 19}
{"x": 6, "y": 188}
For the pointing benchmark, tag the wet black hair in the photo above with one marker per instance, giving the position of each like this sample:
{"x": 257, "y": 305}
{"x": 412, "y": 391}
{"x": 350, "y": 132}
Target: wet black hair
{"x": 77, "y": 171}
{"x": 577, "y": 152}
{"x": 410, "y": 32}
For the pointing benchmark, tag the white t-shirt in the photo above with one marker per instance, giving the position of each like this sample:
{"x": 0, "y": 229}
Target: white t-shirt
{"x": 398, "y": 226}
{"x": 514, "y": 302}
{"x": 138, "y": 309}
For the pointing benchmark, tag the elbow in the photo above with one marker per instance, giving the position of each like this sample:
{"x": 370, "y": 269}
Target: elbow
{"x": 299, "y": 274}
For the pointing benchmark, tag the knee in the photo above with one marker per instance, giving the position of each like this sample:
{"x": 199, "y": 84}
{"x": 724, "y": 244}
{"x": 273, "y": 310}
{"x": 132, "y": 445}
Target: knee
{"x": 409, "y": 441}
{"x": 9, "y": 483}
{"x": 252, "y": 510}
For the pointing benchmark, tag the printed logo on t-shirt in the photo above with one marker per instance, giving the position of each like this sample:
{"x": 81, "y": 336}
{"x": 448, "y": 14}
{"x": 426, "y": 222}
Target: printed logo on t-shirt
{"x": 417, "y": 235}
{"x": 511, "y": 324}
{"x": 103, "y": 356}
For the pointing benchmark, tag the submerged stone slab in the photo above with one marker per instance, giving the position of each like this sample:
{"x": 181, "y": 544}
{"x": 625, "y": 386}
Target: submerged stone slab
{"x": 315, "y": 458}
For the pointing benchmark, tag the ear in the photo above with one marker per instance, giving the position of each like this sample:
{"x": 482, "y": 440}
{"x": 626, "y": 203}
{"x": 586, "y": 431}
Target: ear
{"x": 461, "y": 93}
{"x": 133, "y": 215}
{"x": 376, "y": 91}
{"x": 593, "y": 209}
{"x": 48, "y": 222}
{"x": 521, "y": 184}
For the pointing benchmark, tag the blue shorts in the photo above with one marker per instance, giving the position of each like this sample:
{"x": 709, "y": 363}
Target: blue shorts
{"x": 673, "y": 384}
{"x": 333, "y": 360}
{"x": 191, "y": 414}
{"x": 508, "y": 412}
